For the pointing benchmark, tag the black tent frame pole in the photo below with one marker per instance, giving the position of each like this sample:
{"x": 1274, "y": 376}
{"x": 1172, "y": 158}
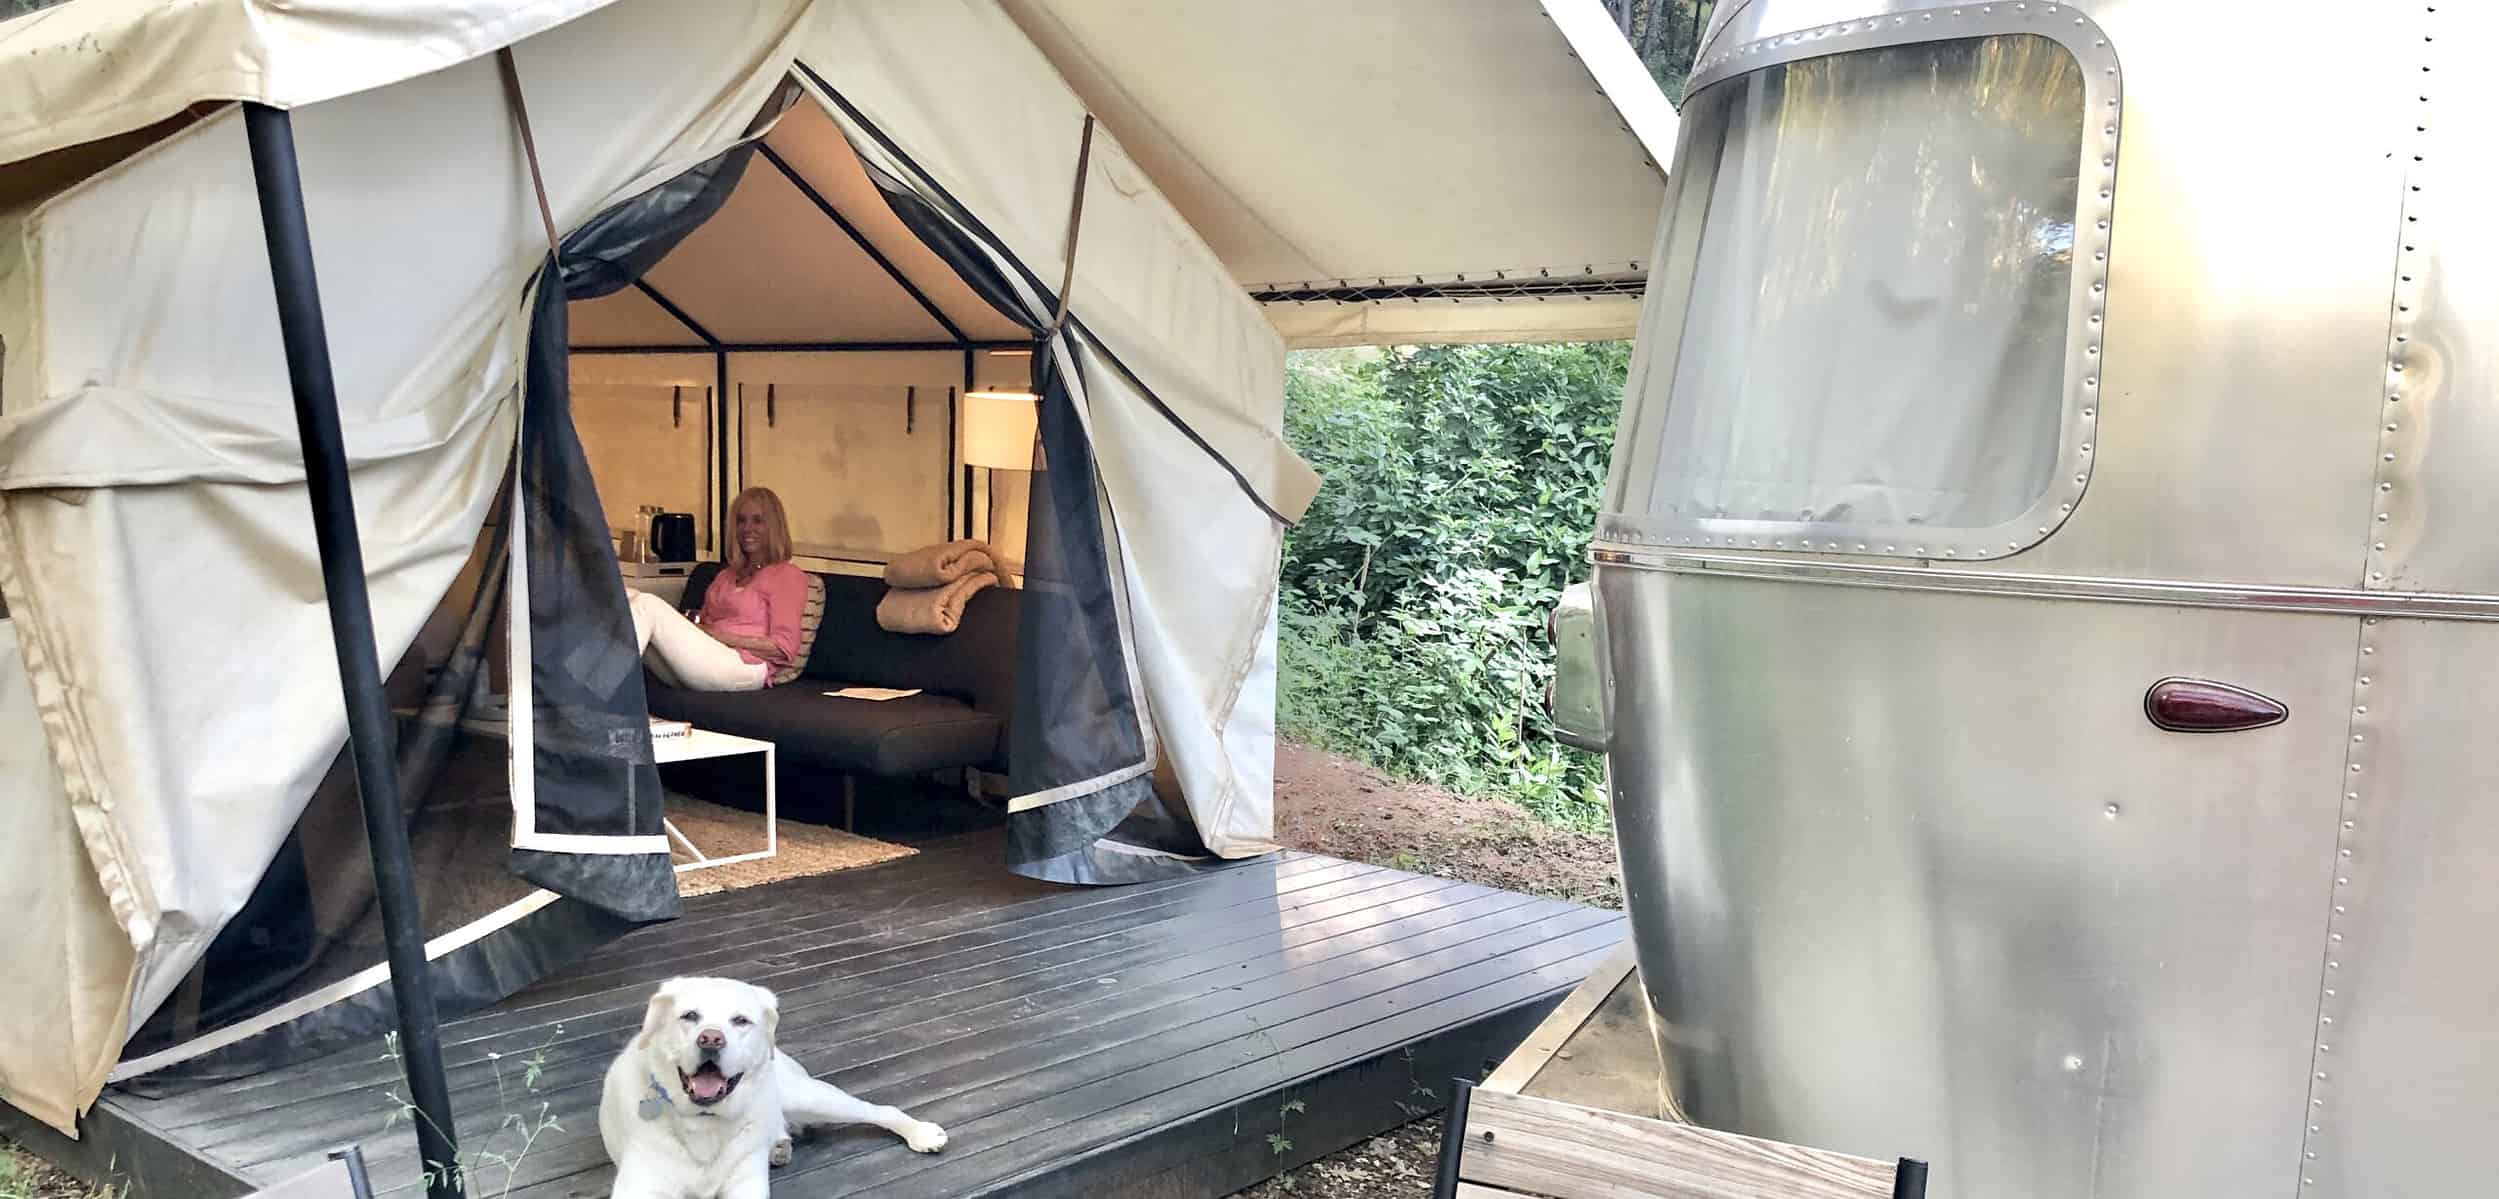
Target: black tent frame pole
{"x": 369, "y": 735}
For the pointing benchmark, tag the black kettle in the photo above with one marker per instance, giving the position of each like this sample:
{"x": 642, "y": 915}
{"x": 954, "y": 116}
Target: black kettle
{"x": 672, "y": 537}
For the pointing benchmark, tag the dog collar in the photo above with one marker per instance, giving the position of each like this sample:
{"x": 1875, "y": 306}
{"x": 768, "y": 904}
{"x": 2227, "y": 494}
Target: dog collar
{"x": 657, "y": 1103}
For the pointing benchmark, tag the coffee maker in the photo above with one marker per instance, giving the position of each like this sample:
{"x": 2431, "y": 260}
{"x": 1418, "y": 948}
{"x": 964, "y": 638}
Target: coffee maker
{"x": 672, "y": 536}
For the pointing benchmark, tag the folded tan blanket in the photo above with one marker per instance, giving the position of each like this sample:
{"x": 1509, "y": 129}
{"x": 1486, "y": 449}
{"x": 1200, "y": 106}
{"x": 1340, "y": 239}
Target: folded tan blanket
{"x": 939, "y": 565}
{"x": 930, "y": 609}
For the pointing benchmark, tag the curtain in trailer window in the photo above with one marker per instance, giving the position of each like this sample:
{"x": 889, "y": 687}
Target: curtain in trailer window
{"x": 1875, "y": 258}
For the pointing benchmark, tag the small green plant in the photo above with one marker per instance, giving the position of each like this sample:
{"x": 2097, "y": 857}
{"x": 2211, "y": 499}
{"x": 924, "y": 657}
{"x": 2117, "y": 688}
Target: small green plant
{"x": 1419, "y": 1100}
{"x": 26, "y": 1176}
{"x": 514, "y": 1136}
{"x": 1277, "y": 1142}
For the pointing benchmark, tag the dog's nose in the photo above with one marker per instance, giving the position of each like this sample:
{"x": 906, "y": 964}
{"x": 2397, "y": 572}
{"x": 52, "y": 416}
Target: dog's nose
{"x": 711, "y": 1038}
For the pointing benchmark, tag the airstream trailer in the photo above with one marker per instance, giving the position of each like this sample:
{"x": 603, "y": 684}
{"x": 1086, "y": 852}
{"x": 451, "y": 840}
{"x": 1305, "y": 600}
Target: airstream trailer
{"x": 2040, "y": 635}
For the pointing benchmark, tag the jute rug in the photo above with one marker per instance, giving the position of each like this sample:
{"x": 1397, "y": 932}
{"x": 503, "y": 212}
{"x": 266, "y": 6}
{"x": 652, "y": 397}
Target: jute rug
{"x": 805, "y": 849}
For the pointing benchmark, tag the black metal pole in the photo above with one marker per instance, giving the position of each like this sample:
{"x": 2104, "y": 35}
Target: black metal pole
{"x": 1909, "y": 1179}
{"x": 1453, "y": 1139}
{"x": 272, "y": 136}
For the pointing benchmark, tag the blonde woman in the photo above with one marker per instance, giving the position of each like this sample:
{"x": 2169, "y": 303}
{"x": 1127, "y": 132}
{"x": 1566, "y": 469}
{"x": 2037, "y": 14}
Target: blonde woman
{"x": 749, "y": 622}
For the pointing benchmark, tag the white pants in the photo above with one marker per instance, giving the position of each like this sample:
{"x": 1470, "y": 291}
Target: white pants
{"x": 683, "y": 655}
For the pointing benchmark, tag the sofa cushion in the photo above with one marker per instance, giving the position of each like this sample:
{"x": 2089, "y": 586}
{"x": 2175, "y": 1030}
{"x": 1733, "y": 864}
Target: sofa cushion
{"x": 810, "y": 619}
{"x": 912, "y": 735}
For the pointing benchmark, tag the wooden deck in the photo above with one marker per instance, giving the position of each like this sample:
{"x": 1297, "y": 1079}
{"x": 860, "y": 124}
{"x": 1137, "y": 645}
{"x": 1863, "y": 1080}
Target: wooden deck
{"x": 1184, "y": 1038}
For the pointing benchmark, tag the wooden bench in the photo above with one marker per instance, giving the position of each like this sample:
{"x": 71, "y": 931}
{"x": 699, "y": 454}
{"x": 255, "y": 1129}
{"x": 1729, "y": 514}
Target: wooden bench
{"x": 1498, "y": 1145}
{"x": 341, "y": 1177}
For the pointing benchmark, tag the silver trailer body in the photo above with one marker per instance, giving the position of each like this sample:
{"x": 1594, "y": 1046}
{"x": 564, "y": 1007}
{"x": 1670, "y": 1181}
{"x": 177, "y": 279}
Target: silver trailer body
{"x": 2000, "y": 361}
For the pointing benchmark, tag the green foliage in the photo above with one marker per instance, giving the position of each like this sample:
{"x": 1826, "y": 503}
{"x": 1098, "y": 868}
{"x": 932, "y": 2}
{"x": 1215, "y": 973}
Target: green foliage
{"x": 513, "y": 1138}
{"x": 1462, "y": 486}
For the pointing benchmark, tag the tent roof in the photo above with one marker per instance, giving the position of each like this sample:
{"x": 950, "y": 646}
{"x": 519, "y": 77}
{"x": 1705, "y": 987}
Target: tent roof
{"x": 92, "y": 69}
{"x": 805, "y": 252}
{"x": 1394, "y": 170}
{"x": 1332, "y": 152}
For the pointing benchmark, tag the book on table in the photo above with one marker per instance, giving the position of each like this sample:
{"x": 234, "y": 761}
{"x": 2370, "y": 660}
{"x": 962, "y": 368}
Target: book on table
{"x": 669, "y": 728}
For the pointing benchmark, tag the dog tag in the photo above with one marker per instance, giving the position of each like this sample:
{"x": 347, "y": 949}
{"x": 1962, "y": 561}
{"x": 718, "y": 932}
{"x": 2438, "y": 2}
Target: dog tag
{"x": 651, "y": 1108}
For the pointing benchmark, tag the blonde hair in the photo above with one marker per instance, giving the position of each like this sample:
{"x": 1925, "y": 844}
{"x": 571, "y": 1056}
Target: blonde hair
{"x": 777, "y": 547}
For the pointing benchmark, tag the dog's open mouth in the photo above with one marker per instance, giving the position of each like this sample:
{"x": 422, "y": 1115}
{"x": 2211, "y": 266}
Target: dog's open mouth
{"x": 707, "y": 1085}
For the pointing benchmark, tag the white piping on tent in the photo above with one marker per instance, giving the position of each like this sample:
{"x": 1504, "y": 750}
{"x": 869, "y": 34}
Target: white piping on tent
{"x": 363, "y": 980}
{"x": 521, "y": 762}
{"x": 1213, "y": 758}
{"x": 1043, "y": 799}
{"x": 1115, "y": 549}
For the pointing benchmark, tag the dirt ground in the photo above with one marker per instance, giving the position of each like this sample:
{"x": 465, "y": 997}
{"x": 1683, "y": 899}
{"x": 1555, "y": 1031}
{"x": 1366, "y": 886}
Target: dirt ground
{"x": 25, "y": 1176}
{"x": 1327, "y": 804}
{"x": 1336, "y": 806}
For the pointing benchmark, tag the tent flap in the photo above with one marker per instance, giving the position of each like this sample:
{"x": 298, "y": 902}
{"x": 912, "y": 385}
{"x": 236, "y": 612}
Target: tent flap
{"x": 198, "y": 755}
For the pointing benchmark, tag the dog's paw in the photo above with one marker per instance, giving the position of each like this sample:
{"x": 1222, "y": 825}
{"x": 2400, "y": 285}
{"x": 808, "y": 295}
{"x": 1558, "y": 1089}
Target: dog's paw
{"x": 924, "y": 1137}
{"x": 781, "y": 1152}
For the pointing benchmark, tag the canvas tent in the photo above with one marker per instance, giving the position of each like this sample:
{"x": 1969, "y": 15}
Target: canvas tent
{"x": 170, "y": 711}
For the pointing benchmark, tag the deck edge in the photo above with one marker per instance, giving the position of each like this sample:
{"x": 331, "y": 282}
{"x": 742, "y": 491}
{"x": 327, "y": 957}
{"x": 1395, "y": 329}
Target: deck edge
{"x": 117, "y": 1147}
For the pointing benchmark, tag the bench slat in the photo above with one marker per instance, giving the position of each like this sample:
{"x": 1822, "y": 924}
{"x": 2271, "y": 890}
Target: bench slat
{"x": 1542, "y": 1147}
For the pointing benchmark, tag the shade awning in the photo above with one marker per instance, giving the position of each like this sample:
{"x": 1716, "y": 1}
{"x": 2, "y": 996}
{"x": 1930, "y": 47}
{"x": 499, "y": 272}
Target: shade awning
{"x": 78, "y": 73}
{"x": 1389, "y": 171}
{"x": 1394, "y": 170}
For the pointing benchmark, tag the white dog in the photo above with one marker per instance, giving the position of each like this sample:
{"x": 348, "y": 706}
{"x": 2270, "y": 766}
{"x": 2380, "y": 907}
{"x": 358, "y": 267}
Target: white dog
{"x": 701, "y": 1105}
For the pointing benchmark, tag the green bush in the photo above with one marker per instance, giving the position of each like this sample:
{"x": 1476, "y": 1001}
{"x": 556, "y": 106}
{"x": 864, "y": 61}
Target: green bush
{"x": 1462, "y": 486}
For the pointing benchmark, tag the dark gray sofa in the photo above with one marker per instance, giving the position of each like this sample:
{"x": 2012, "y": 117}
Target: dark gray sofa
{"x": 966, "y": 680}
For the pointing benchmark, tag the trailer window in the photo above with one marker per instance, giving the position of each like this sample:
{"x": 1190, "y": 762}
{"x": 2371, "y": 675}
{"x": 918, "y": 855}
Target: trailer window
{"x": 1870, "y": 274}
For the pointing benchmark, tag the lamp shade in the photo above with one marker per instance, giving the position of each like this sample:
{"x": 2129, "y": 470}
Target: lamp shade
{"x": 998, "y": 429}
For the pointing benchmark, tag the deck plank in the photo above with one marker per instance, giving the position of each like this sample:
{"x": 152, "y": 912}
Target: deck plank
{"x": 579, "y": 1053}
{"x": 1009, "y": 1143}
{"x": 812, "y": 969}
{"x": 1087, "y": 1042}
{"x": 917, "y": 1074}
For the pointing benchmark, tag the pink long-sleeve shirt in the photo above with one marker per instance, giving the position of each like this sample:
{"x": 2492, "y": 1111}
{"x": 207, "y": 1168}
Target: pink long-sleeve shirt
{"x": 768, "y": 606}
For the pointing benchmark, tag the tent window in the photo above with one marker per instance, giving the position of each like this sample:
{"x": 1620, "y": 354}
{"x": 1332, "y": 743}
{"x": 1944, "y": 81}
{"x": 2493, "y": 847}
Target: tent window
{"x": 861, "y": 468}
{"x": 1875, "y": 257}
{"x": 664, "y": 433}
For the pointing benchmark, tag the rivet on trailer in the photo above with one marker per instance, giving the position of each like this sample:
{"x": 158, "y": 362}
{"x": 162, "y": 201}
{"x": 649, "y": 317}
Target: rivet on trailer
{"x": 2110, "y": 817}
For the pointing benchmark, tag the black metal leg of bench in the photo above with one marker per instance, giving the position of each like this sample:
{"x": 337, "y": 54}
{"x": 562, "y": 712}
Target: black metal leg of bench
{"x": 850, "y": 804}
{"x": 357, "y": 1180}
{"x": 1909, "y": 1181}
{"x": 1452, "y": 1139}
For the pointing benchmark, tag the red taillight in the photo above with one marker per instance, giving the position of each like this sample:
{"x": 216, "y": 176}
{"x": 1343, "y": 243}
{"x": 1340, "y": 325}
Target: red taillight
{"x": 2197, "y": 706}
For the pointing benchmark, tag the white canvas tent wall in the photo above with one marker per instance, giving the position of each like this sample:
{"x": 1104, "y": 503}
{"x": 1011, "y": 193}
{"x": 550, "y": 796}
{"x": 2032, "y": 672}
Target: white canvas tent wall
{"x": 143, "y": 392}
{"x": 155, "y": 543}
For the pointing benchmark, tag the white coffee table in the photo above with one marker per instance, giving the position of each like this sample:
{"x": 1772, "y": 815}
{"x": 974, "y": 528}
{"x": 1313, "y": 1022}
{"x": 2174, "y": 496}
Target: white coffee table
{"x": 701, "y": 744}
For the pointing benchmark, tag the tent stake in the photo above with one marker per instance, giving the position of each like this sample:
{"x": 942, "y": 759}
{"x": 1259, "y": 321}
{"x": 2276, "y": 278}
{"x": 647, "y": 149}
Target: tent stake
{"x": 369, "y": 739}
